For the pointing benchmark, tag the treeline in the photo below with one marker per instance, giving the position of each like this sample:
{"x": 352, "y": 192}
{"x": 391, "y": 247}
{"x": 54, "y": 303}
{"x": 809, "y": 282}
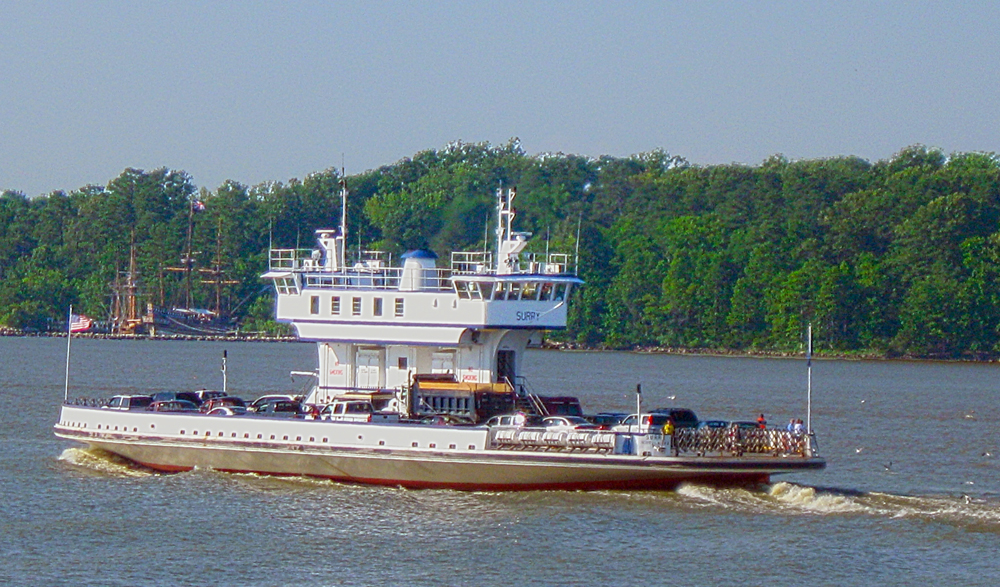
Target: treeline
{"x": 897, "y": 257}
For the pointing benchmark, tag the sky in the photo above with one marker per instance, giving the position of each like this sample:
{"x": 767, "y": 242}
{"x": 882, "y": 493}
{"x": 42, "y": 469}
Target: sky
{"x": 269, "y": 91}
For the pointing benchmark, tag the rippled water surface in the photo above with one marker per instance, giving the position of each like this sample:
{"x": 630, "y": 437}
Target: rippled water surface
{"x": 911, "y": 492}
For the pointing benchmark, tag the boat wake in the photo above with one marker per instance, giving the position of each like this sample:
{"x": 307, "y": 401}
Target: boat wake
{"x": 790, "y": 498}
{"x": 103, "y": 462}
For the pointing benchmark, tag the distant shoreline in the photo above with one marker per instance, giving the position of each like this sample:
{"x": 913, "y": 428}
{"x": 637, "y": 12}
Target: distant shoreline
{"x": 765, "y": 354}
{"x": 546, "y": 345}
{"x": 255, "y": 337}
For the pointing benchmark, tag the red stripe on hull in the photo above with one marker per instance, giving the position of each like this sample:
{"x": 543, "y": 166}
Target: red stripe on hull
{"x": 727, "y": 480}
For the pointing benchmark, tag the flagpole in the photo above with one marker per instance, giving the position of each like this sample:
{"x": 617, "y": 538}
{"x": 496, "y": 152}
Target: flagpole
{"x": 809, "y": 378}
{"x": 638, "y": 407}
{"x": 69, "y": 339}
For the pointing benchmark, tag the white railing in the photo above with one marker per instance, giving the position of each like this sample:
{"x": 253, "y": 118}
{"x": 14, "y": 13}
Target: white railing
{"x": 462, "y": 262}
{"x": 684, "y": 441}
{"x": 481, "y": 263}
{"x": 739, "y": 441}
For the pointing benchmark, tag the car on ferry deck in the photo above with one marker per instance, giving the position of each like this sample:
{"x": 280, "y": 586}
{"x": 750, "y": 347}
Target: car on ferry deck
{"x": 529, "y": 420}
{"x": 173, "y": 405}
{"x": 189, "y": 396}
{"x": 263, "y": 400}
{"x": 715, "y": 424}
{"x": 228, "y": 411}
{"x": 567, "y": 423}
{"x": 204, "y": 395}
{"x": 607, "y": 419}
{"x": 128, "y": 402}
{"x": 683, "y": 418}
{"x": 563, "y": 405}
{"x": 219, "y": 402}
{"x": 280, "y": 409}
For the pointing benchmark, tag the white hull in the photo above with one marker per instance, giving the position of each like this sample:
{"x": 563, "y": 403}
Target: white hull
{"x": 384, "y": 454}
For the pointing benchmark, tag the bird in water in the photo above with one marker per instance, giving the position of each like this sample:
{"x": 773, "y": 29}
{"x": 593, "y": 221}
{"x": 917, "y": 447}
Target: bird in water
{"x": 987, "y": 454}
{"x": 671, "y": 397}
{"x": 888, "y": 466}
{"x": 967, "y": 499}
{"x": 858, "y": 450}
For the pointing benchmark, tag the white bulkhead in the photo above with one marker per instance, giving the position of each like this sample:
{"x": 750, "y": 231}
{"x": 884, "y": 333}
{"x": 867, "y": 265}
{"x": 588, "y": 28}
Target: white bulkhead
{"x": 377, "y": 326}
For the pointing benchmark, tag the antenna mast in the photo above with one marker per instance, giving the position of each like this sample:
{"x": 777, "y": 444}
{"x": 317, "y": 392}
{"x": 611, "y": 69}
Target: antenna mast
{"x": 809, "y": 378}
{"x": 343, "y": 218}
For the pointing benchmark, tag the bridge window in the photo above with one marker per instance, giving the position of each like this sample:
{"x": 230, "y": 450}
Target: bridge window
{"x": 560, "y": 293}
{"x": 529, "y": 291}
{"x": 377, "y": 308}
{"x": 335, "y": 305}
{"x": 355, "y": 306}
{"x": 314, "y": 305}
{"x": 399, "y": 307}
{"x": 546, "y": 292}
{"x": 285, "y": 285}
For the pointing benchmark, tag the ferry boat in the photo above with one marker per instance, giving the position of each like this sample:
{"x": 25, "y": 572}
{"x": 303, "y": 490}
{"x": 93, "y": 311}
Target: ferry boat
{"x": 432, "y": 355}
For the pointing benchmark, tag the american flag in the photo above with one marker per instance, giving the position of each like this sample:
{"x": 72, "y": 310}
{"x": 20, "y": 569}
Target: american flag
{"x": 79, "y": 323}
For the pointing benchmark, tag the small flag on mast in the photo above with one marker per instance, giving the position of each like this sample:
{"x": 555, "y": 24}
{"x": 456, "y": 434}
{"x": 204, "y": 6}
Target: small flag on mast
{"x": 79, "y": 323}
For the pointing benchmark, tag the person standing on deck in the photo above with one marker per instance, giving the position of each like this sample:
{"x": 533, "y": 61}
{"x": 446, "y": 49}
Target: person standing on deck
{"x": 761, "y": 422}
{"x": 668, "y": 430}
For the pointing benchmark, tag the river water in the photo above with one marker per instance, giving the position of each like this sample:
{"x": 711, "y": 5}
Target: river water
{"x": 911, "y": 492}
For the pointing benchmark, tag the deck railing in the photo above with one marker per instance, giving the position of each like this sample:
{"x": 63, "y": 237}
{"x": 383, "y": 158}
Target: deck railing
{"x": 739, "y": 441}
{"x": 703, "y": 442}
{"x": 462, "y": 262}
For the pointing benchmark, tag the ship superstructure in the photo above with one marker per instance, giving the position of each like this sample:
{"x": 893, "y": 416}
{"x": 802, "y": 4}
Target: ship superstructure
{"x": 458, "y": 332}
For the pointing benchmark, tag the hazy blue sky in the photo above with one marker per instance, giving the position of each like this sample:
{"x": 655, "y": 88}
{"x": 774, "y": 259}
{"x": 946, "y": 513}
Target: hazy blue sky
{"x": 257, "y": 91}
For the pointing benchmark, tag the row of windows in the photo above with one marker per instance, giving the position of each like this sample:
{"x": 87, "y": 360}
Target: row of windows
{"x": 246, "y": 435}
{"x": 325, "y": 440}
{"x": 511, "y": 290}
{"x": 335, "y": 308}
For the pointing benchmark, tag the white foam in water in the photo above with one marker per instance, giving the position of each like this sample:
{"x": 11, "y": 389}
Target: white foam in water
{"x": 789, "y": 498}
{"x": 730, "y": 498}
{"x": 946, "y": 509}
{"x": 807, "y": 499}
{"x": 103, "y": 462}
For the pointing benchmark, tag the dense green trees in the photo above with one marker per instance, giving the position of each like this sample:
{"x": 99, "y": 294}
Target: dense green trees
{"x": 900, "y": 256}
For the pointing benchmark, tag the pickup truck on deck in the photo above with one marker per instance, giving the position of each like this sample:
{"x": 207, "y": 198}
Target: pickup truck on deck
{"x": 128, "y": 402}
{"x": 355, "y": 411}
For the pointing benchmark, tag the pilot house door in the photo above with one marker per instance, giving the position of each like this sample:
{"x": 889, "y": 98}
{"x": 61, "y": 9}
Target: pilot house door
{"x": 505, "y": 367}
{"x": 368, "y": 369}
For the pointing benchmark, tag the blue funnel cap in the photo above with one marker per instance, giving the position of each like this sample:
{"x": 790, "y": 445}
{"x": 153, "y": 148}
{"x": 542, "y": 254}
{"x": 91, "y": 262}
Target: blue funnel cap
{"x": 419, "y": 254}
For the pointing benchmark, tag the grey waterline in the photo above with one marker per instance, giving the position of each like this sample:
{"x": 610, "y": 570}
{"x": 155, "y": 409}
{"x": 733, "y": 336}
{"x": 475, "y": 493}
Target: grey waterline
{"x": 73, "y": 518}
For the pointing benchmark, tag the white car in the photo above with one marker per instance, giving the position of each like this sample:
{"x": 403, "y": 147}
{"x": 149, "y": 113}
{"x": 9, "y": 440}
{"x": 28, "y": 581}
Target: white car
{"x": 128, "y": 402}
{"x": 566, "y": 423}
{"x": 228, "y": 411}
